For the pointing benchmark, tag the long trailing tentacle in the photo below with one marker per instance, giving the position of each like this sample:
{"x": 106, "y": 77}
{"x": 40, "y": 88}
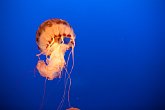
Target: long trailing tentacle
{"x": 70, "y": 80}
{"x": 66, "y": 81}
{"x": 65, "y": 86}
{"x": 72, "y": 60}
{"x": 42, "y": 103}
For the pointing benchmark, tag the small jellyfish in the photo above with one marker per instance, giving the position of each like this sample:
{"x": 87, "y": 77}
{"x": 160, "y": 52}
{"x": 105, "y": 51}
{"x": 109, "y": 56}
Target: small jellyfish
{"x": 54, "y": 37}
{"x": 73, "y": 108}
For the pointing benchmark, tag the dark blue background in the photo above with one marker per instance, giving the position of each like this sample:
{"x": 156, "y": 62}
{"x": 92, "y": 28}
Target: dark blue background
{"x": 119, "y": 54}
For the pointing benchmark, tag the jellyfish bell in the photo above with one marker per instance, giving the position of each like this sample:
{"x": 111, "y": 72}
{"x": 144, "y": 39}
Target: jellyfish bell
{"x": 50, "y": 38}
{"x": 73, "y": 108}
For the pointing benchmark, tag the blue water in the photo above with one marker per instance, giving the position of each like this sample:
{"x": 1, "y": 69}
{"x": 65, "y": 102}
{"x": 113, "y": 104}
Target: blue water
{"x": 119, "y": 54}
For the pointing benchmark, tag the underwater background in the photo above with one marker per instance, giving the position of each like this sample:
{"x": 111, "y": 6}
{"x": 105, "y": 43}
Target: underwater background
{"x": 119, "y": 54}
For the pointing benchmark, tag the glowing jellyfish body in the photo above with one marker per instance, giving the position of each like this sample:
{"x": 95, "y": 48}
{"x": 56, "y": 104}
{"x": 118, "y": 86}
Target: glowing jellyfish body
{"x": 73, "y": 108}
{"x": 50, "y": 39}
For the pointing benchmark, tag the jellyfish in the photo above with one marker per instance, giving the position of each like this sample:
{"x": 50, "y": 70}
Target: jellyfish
{"x": 54, "y": 37}
{"x": 73, "y": 108}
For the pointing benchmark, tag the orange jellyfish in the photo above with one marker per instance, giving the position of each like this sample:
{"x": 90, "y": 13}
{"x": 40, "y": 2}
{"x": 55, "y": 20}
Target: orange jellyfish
{"x": 73, "y": 108}
{"x": 51, "y": 38}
